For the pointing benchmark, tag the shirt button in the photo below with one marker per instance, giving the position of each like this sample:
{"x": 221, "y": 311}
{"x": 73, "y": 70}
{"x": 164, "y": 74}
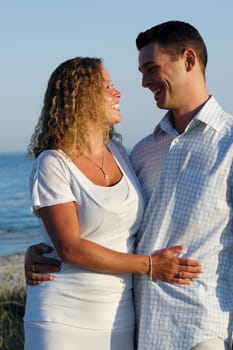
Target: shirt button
{"x": 175, "y": 141}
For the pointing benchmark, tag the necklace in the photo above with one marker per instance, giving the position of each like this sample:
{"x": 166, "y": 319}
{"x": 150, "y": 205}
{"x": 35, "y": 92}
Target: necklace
{"x": 101, "y": 168}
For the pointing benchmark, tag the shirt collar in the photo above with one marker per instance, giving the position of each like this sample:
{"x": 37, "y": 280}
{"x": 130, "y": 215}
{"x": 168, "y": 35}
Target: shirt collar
{"x": 210, "y": 114}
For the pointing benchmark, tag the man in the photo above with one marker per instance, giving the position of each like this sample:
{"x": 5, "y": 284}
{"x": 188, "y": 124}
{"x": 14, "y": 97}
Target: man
{"x": 186, "y": 170}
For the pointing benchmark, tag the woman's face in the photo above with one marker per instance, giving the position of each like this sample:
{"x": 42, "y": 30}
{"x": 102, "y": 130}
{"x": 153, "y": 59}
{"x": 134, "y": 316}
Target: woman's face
{"x": 112, "y": 100}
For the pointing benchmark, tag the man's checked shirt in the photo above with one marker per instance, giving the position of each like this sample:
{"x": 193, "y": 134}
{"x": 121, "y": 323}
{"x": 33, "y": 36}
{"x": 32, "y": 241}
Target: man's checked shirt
{"x": 188, "y": 181}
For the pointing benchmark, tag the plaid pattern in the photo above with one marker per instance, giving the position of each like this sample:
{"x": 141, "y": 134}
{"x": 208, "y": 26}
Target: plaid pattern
{"x": 188, "y": 181}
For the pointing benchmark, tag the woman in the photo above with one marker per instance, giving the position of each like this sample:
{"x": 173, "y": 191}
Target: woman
{"x": 90, "y": 205}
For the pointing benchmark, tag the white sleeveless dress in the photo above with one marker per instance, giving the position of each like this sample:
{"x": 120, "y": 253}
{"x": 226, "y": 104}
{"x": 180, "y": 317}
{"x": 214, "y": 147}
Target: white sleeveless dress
{"x": 81, "y": 309}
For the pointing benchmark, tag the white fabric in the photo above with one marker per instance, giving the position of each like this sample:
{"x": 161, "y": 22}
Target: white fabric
{"x": 212, "y": 344}
{"x": 78, "y": 297}
{"x": 54, "y": 336}
{"x": 190, "y": 177}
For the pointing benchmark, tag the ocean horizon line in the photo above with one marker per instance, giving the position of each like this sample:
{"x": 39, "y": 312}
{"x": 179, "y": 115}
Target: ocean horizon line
{"x": 13, "y": 152}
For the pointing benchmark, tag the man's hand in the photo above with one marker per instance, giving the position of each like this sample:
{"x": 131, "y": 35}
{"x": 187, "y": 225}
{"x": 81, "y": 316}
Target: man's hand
{"x": 37, "y": 267}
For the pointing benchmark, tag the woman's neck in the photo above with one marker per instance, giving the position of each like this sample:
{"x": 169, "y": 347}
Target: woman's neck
{"x": 96, "y": 144}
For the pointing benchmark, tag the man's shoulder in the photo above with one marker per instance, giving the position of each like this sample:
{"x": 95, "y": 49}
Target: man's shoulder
{"x": 228, "y": 118}
{"x": 144, "y": 143}
{"x": 214, "y": 115}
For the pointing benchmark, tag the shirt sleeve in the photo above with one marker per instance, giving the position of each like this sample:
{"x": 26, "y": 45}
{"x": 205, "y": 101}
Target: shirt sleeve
{"x": 50, "y": 181}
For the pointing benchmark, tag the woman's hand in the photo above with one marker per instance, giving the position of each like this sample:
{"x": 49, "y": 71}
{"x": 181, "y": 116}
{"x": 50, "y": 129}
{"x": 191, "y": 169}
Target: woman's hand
{"x": 37, "y": 267}
{"x": 168, "y": 267}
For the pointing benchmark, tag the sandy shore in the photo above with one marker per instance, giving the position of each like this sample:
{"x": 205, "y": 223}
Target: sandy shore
{"x": 12, "y": 272}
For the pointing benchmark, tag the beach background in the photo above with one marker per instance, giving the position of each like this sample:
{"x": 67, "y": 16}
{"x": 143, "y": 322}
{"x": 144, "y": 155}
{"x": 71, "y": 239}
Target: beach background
{"x": 18, "y": 226}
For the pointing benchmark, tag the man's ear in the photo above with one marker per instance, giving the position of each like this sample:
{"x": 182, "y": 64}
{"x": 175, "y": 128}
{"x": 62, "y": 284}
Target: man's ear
{"x": 190, "y": 59}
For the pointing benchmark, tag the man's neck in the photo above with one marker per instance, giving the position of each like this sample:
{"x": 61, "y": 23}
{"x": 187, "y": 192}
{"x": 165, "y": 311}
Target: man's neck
{"x": 181, "y": 120}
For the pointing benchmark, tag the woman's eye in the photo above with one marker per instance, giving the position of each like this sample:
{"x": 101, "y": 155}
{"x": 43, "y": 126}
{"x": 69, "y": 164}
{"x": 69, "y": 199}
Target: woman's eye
{"x": 109, "y": 86}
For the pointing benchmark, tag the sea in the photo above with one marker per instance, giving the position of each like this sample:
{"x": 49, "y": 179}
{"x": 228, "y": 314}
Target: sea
{"x": 18, "y": 225}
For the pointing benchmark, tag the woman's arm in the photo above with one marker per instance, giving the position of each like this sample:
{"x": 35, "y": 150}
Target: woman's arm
{"x": 62, "y": 224}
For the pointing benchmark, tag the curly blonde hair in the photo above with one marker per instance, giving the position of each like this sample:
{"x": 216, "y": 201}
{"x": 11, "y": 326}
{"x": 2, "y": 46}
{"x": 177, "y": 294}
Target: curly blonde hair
{"x": 74, "y": 97}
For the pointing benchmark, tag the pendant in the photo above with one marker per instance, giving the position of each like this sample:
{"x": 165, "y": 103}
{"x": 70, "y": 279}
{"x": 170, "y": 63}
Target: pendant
{"x": 106, "y": 178}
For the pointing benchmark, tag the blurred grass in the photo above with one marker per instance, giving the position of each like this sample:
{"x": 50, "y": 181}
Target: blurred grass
{"x": 12, "y": 304}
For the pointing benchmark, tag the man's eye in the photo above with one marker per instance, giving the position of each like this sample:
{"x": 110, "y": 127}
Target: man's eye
{"x": 152, "y": 69}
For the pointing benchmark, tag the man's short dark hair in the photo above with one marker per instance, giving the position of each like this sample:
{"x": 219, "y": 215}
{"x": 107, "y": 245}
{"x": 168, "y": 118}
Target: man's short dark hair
{"x": 174, "y": 37}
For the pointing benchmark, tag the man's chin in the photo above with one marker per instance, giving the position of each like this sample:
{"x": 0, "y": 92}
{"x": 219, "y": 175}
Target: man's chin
{"x": 161, "y": 105}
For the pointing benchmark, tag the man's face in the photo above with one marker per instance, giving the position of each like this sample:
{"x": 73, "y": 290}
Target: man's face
{"x": 165, "y": 77}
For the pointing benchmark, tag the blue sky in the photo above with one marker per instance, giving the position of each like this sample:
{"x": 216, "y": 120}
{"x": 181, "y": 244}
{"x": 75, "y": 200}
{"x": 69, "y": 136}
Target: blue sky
{"x": 36, "y": 36}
